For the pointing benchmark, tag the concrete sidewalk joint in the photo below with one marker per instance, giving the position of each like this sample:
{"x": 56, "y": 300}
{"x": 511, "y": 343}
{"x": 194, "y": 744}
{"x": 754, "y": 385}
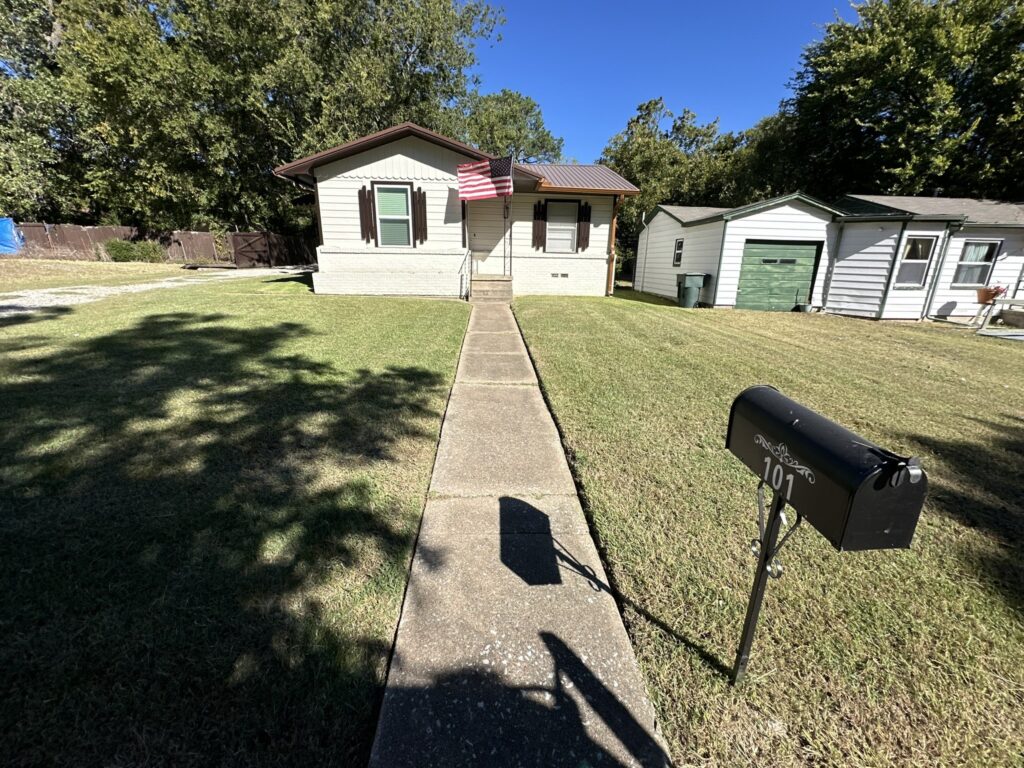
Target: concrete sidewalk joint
{"x": 510, "y": 649}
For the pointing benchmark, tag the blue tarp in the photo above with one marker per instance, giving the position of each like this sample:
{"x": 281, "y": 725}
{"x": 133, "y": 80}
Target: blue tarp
{"x": 11, "y": 240}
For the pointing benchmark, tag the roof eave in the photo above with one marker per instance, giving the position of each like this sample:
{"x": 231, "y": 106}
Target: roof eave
{"x": 543, "y": 187}
{"x": 303, "y": 166}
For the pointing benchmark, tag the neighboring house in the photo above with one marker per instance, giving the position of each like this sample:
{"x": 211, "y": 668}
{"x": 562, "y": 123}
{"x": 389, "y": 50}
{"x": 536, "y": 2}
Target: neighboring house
{"x": 391, "y": 221}
{"x": 867, "y": 255}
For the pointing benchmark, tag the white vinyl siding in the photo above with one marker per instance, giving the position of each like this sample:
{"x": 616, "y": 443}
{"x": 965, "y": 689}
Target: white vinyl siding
{"x": 561, "y": 228}
{"x": 538, "y": 271}
{"x": 655, "y": 272}
{"x": 861, "y": 268}
{"x": 426, "y": 165}
{"x": 792, "y": 221}
{"x": 954, "y": 300}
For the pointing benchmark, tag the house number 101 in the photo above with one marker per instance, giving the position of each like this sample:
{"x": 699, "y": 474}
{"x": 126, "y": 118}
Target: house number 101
{"x": 775, "y": 476}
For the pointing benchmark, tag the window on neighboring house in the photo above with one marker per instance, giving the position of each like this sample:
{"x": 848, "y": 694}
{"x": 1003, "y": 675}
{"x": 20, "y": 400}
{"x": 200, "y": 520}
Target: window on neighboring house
{"x": 975, "y": 265}
{"x": 917, "y": 254}
{"x": 677, "y": 254}
{"x": 561, "y": 236}
{"x": 394, "y": 215}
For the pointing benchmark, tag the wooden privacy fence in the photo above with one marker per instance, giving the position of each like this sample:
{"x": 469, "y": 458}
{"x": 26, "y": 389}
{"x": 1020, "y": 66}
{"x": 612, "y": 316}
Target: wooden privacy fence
{"x": 243, "y": 249}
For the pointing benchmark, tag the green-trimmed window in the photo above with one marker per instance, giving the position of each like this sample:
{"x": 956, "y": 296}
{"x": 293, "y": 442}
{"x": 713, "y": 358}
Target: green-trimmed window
{"x": 975, "y": 265}
{"x": 394, "y": 216}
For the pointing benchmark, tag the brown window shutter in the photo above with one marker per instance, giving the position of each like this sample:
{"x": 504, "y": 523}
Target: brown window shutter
{"x": 583, "y": 227}
{"x": 540, "y": 224}
{"x": 464, "y": 224}
{"x": 419, "y": 215}
{"x": 367, "y": 215}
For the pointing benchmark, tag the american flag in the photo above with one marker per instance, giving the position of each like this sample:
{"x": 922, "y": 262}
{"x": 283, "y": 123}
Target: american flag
{"x": 486, "y": 179}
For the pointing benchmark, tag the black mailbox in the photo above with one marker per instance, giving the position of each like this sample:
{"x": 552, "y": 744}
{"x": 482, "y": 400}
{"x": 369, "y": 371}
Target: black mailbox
{"x": 857, "y": 494}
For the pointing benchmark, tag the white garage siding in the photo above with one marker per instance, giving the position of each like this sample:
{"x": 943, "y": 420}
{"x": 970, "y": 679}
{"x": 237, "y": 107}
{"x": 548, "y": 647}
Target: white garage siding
{"x": 655, "y": 249}
{"x": 790, "y": 221}
{"x": 862, "y": 268}
{"x": 950, "y": 301}
{"x": 908, "y": 303}
{"x": 584, "y": 273}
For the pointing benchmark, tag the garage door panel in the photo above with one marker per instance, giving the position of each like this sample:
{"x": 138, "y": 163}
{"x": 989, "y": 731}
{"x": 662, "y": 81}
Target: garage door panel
{"x": 776, "y": 276}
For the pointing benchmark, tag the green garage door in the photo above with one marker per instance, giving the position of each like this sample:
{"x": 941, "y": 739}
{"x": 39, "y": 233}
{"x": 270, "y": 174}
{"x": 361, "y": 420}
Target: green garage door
{"x": 776, "y": 276}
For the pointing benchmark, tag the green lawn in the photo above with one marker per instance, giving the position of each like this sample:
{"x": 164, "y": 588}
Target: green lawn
{"x": 882, "y": 658}
{"x": 30, "y": 274}
{"x": 208, "y": 499}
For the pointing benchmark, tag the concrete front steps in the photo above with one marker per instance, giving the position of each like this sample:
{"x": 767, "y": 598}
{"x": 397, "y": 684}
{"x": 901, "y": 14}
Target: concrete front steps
{"x": 491, "y": 289}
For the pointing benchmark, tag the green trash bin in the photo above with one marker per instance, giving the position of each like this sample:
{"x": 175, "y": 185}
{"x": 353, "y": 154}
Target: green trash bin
{"x": 688, "y": 288}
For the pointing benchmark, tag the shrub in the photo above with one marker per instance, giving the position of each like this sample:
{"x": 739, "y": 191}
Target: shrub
{"x": 139, "y": 250}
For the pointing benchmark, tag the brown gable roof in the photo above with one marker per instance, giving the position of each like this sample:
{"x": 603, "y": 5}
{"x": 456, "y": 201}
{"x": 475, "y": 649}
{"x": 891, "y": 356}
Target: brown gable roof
{"x": 302, "y": 169}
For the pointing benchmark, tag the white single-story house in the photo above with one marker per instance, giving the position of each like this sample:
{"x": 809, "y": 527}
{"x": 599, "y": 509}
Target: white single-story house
{"x": 876, "y": 256}
{"x": 391, "y": 221}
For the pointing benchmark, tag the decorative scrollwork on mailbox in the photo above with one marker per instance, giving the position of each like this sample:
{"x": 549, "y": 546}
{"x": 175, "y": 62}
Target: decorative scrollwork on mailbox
{"x": 781, "y": 452}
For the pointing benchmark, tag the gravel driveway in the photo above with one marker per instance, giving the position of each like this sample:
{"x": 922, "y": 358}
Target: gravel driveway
{"x": 20, "y": 302}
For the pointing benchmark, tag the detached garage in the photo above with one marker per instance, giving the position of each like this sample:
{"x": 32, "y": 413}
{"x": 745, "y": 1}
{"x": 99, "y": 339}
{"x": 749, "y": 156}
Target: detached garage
{"x": 771, "y": 255}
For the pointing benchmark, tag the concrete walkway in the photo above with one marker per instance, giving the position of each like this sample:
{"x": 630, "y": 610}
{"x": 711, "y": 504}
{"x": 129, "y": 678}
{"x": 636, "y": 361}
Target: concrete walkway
{"x": 510, "y": 648}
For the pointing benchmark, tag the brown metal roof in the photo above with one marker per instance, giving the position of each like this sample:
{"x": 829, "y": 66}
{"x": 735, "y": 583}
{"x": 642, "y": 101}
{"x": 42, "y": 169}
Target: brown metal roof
{"x": 971, "y": 210}
{"x": 302, "y": 169}
{"x": 571, "y": 177}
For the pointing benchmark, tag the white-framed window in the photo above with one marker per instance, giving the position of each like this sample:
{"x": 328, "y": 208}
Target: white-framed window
{"x": 913, "y": 268}
{"x": 975, "y": 265}
{"x": 677, "y": 253}
{"x": 561, "y": 227}
{"x": 394, "y": 215}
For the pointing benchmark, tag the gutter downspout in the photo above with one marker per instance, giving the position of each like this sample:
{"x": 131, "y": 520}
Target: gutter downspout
{"x": 890, "y": 277}
{"x": 951, "y": 229}
{"x": 832, "y": 266}
{"x": 647, "y": 245}
{"x": 610, "y": 287}
{"x": 721, "y": 254}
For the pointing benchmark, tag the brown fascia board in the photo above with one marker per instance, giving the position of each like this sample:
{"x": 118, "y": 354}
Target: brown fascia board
{"x": 301, "y": 170}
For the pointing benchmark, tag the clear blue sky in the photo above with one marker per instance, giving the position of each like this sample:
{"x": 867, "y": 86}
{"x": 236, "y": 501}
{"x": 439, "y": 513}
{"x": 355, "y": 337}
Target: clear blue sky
{"x": 590, "y": 63}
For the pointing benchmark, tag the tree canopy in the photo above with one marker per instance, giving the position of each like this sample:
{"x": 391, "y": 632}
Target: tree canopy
{"x": 509, "y": 123}
{"x": 914, "y": 97}
{"x": 173, "y": 114}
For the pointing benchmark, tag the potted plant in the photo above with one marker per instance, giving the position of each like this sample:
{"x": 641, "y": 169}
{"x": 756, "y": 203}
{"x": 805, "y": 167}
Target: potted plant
{"x": 990, "y": 293}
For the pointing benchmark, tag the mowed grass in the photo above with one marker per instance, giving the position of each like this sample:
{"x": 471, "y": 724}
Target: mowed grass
{"x": 32, "y": 274}
{"x": 878, "y": 658}
{"x": 208, "y": 500}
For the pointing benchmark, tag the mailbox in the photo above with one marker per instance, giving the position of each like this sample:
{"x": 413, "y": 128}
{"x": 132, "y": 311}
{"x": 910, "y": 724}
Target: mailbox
{"x": 855, "y": 493}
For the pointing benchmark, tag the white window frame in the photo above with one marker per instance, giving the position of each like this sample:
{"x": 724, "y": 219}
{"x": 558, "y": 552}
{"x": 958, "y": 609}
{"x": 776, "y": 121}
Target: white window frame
{"x": 991, "y": 264}
{"x": 677, "y": 252}
{"x": 407, "y": 218}
{"x": 575, "y": 226}
{"x": 927, "y": 263}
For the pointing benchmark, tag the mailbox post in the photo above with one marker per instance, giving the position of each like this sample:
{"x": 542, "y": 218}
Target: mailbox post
{"x": 857, "y": 494}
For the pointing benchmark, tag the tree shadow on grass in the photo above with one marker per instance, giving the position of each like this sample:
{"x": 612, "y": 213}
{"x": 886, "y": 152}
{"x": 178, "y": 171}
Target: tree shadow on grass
{"x": 983, "y": 487}
{"x": 192, "y": 536}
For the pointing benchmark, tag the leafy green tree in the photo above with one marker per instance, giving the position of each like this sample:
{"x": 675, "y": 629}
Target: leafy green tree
{"x": 672, "y": 159}
{"x": 916, "y": 96}
{"x": 509, "y": 123}
{"x": 180, "y": 110}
